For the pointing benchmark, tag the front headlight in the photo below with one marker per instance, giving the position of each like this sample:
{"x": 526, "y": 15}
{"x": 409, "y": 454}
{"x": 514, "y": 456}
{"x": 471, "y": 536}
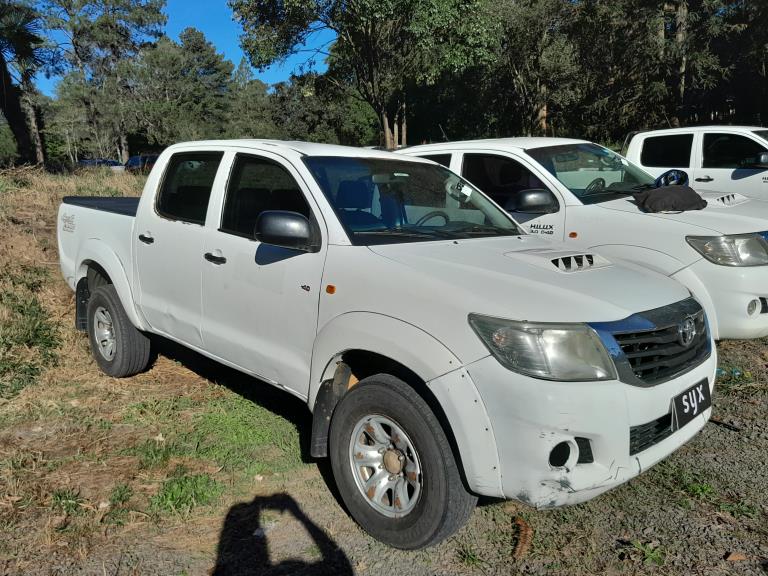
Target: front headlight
{"x": 736, "y": 250}
{"x": 563, "y": 352}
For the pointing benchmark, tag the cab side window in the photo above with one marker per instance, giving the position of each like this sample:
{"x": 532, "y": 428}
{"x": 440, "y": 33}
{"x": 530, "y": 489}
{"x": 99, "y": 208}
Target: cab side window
{"x": 728, "y": 150}
{"x": 186, "y": 186}
{"x": 500, "y": 177}
{"x": 444, "y": 159}
{"x": 673, "y": 151}
{"x": 255, "y": 186}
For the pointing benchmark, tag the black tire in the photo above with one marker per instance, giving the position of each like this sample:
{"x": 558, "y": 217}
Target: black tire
{"x": 130, "y": 352}
{"x": 443, "y": 505}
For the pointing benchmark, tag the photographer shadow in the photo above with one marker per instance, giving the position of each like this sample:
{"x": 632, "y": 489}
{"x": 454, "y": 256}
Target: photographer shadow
{"x": 243, "y": 548}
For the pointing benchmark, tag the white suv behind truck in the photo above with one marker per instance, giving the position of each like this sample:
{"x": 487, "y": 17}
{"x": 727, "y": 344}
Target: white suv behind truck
{"x": 580, "y": 193}
{"x": 444, "y": 352}
{"x": 716, "y": 158}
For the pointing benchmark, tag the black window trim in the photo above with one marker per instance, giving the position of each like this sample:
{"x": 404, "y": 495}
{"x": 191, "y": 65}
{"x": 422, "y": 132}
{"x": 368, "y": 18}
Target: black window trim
{"x": 161, "y": 186}
{"x": 313, "y": 222}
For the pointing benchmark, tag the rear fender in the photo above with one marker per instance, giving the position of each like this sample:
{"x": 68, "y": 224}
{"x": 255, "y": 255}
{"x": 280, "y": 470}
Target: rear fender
{"x": 97, "y": 252}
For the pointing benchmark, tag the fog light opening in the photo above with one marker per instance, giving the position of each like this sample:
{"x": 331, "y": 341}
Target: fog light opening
{"x": 560, "y": 455}
{"x": 753, "y": 306}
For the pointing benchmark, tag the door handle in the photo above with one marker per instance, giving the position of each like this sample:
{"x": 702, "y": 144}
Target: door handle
{"x": 704, "y": 179}
{"x": 146, "y": 239}
{"x": 218, "y": 260}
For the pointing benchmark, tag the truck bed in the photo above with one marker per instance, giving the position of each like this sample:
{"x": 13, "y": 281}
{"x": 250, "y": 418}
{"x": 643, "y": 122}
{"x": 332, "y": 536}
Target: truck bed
{"x": 124, "y": 206}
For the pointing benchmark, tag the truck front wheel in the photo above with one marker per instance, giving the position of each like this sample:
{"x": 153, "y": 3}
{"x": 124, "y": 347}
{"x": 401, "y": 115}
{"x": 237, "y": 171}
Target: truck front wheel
{"x": 117, "y": 346}
{"x": 394, "y": 466}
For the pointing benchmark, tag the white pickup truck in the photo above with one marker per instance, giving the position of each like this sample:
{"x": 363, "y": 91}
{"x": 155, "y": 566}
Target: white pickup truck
{"x": 724, "y": 159}
{"x": 581, "y": 193}
{"x": 443, "y": 352}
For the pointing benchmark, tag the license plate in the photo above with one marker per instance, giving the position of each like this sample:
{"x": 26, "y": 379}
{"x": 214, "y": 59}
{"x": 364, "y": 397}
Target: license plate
{"x": 691, "y": 403}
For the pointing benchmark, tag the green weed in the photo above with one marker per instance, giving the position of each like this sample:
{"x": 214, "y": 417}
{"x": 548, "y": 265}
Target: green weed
{"x": 651, "y": 554}
{"x": 739, "y": 509}
{"x": 66, "y": 501}
{"x": 240, "y": 435}
{"x": 182, "y": 492}
{"x": 467, "y": 554}
{"x": 153, "y": 454}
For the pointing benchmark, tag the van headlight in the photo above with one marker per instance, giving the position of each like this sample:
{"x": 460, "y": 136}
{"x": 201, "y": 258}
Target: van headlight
{"x": 563, "y": 352}
{"x": 734, "y": 250}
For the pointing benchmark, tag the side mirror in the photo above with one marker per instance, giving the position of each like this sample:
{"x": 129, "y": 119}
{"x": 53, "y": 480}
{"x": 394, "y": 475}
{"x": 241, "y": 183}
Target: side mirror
{"x": 759, "y": 161}
{"x": 672, "y": 177}
{"x": 533, "y": 201}
{"x": 285, "y": 229}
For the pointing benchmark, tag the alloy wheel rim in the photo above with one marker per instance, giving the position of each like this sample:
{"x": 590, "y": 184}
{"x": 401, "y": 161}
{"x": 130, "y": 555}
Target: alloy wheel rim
{"x": 385, "y": 465}
{"x": 104, "y": 333}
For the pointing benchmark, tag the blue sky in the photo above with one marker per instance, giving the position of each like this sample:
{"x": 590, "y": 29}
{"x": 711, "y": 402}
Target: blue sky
{"x": 214, "y": 19}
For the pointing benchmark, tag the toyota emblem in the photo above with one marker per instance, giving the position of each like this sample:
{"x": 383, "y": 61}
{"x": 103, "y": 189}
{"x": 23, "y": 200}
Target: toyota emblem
{"x": 686, "y": 331}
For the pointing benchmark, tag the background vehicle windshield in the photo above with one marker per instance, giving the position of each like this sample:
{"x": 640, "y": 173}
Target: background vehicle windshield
{"x": 593, "y": 173}
{"x": 382, "y": 201}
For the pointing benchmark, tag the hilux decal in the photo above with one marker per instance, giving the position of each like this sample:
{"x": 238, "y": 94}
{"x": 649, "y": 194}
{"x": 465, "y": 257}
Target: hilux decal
{"x": 542, "y": 228}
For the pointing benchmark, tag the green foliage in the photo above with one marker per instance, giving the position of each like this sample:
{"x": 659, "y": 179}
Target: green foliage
{"x": 28, "y": 337}
{"x": 7, "y": 145}
{"x": 182, "y": 492}
{"x": 66, "y": 501}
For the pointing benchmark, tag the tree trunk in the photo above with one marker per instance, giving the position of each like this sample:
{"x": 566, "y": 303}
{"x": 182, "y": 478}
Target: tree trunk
{"x": 10, "y": 102}
{"x": 404, "y": 124}
{"x": 396, "y": 131}
{"x": 681, "y": 34}
{"x": 123, "y": 147}
{"x": 33, "y": 125}
{"x": 386, "y": 130}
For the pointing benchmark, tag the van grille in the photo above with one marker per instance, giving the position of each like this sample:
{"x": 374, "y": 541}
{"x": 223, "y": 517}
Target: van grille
{"x": 656, "y": 355}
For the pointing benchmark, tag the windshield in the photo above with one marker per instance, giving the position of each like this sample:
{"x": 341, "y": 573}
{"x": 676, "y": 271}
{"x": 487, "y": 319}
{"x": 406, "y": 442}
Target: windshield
{"x": 383, "y": 201}
{"x": 762, "y": 133}
{"x": 593, "y": 173}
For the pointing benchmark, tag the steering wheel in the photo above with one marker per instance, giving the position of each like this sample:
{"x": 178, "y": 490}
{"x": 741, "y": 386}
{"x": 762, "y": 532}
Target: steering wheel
{"x": 596, "y": 185}
{"x": 433, "y": 214}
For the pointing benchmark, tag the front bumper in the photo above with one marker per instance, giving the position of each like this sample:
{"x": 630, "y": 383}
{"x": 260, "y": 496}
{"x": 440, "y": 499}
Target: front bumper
{"x": 530, "y": 417}
{"x": 725, "y": 293}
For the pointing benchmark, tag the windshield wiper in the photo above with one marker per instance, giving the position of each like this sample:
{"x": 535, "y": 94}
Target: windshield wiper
{"x": 479, "y": 229}
{"x": 401, "y": 232}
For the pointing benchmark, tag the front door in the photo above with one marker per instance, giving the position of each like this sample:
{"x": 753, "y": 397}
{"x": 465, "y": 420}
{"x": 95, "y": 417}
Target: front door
{"x": 502, "y": 178}
{"x": 169, "y": 242}
{"x": 719, "y": 165}
{"x": 260, "y": 302}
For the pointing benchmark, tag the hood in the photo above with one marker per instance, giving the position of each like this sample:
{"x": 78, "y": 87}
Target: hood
{"x": 724, "y": 214}
{"x": 528, "y": 278}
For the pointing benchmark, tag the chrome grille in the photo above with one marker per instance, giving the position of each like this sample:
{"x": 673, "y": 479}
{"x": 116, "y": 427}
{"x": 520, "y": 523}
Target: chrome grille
{"x": 657, "y": 355}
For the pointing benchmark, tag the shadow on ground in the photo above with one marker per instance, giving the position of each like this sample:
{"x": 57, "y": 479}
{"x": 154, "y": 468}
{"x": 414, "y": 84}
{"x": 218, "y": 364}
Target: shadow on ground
{"x": 257, "y": 391}
{"x": 243, "y": 548}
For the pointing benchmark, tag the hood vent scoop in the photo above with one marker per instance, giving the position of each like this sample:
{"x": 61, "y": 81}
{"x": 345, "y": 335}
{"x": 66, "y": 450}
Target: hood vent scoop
{"x": 577, "y": 262}
{"x": 730, "y": 199}
{"x": 565, "y": 261}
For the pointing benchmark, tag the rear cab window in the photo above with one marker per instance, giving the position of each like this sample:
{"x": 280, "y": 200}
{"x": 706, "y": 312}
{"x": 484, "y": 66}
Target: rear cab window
{"x": 186, "y": 186}
{"x": 671, "y": 151}
{"x": 444, "y": 159}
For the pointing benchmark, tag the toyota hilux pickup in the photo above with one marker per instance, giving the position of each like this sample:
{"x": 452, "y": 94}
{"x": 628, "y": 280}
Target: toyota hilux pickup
{"x": 581, "y": 193}
{"x": 444, "y": 352}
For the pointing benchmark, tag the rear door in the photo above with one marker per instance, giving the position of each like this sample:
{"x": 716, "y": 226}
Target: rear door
{"x": 665, "y": 152}
{"x": 169, "y": 245}
{"x": 502, "y": 177}
{"x": 720, "y": 157}
{"x": 260, "y": 302}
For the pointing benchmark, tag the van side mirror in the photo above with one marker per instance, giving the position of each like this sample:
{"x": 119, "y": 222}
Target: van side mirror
{"x": 672, "y": 177}
{"x": 759, "y": 161}
{"x": 285, "y": 229}
{"x": 533, "y": 201}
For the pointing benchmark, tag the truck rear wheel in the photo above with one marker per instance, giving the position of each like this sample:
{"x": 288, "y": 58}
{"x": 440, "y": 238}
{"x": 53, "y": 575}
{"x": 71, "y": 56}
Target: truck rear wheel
{"x": 394, "y": 466}
{"x": 118, "y": 347}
